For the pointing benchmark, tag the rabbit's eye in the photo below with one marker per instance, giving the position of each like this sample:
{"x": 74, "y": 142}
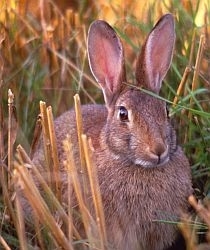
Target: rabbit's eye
{"x": 123, "y": 114}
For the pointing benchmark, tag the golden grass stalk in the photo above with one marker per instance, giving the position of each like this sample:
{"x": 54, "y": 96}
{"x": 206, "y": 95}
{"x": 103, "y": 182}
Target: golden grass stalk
{"x": 79, "y": 129}
{"x": 56, "y": 175}
{"x": 203, "y": 212}
{"x": 72, "y": 170}
{"x": 4, "y": 243}
{"x": 188, "y": 70}
{"x": 188, "y": 228}
{"x": 197, "y": 70}
{"x": 50, "y": 146}
{"x": 23, "y": 158}
{"x": 40, "y": 207}
{"x": 95, "y": 191}
{"x": 79, "y": 179}
{"x": 83, "y": 179}
{"x": 192, "y": 49}
{"x": 6, "y": 171}
{"x": 83, "y": 171}
{"x": 6, "y": 192}
{"x": 181, "y": 85}
{"x": 10, "y": 137}
{"x": 69, "y": 204}
{"x": 190, "y": 238}
{"x": 20, "y": 226}
{"x": 2, "y": 151}
{"x": 198, "y": 63}
{"x": 195, "y": 81}
{"x": 46, "y": 142}
{"x": 39, "y": 235}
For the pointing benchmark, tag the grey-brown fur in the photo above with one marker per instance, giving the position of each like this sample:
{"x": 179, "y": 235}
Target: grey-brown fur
{"x": 135, "y": 196}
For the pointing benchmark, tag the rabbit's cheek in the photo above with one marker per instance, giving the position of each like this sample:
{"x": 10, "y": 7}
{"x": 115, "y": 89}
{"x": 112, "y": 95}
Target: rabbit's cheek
{"x": 140, "y": 153}
{"x": 117, "y": 142}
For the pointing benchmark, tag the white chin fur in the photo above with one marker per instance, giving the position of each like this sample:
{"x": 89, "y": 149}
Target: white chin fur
{"x": 143, "y": 163}
{"x": 148, "y": 164}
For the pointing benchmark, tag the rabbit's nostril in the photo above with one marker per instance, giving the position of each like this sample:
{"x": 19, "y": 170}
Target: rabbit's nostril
{"x": 158, "y": 149}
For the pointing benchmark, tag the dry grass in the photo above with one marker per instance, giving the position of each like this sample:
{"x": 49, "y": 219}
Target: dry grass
{"x": 94, "y": 228}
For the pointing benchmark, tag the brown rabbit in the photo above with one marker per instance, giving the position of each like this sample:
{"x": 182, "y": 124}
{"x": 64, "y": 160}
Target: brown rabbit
{"x": 144, "y": 175}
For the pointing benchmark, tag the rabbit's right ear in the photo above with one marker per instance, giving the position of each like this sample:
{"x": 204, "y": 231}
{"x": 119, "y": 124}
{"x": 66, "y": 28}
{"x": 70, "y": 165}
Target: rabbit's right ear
{"x": 106, "y": 59}
{"x": 156, "y": 55}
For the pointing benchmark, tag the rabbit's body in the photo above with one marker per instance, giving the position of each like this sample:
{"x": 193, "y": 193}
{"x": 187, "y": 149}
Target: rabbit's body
{"x": 144, "y": 176}
{"x": 136, "y": 212}
{"x": 136, "y": 200}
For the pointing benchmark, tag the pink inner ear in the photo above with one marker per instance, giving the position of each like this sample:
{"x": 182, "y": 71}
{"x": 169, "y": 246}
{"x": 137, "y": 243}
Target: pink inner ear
{"x": 155, "y": 59}
{"x": 159, "y": 57}
{"x": 105, "y": 56}
{"x": 109, "y": 62}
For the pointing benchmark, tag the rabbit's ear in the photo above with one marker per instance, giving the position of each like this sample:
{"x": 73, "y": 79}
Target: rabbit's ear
{"x": 106, "y": 59}
{"x": 156, "y": 55}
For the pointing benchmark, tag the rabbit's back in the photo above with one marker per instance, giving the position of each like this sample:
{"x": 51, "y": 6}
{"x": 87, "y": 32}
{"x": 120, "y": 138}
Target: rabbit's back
{"x": 93, "y": 119}
{"x": 136, "y": 200}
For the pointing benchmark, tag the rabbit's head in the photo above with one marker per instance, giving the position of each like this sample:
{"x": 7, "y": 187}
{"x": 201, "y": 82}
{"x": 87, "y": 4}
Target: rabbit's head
{"x": 138, "y": 130}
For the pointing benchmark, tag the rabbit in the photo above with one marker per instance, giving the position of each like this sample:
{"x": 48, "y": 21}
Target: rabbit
{"x": 144, "y": 176}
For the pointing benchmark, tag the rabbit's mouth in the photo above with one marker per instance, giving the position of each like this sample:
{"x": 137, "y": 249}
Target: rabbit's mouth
{"x": 153, "y": 160}
{"x": 150, "y": 164}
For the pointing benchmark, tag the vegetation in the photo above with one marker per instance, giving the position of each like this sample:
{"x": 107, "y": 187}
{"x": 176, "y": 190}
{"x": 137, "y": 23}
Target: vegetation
{"x": 43, "y": 57}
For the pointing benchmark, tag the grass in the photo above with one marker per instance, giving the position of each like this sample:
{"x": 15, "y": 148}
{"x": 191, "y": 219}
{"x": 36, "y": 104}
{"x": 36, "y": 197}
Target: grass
{"x": 43, "y": 57}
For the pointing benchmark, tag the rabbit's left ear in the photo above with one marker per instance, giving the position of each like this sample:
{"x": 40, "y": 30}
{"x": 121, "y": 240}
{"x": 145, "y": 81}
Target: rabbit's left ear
{"x": 156, "y": 55}
{"x": 106, "y": 59}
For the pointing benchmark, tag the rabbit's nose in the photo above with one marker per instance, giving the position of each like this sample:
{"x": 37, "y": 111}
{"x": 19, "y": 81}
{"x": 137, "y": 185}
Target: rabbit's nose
{"x": 158, "y": 149}
{"x": 161, "y": 151}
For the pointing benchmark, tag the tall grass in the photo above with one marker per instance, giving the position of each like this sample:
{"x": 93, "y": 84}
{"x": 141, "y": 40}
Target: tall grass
{"x": 43, "y": 57}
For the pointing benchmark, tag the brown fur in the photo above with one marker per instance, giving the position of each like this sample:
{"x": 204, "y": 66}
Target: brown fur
{"x": 136, "y": 197}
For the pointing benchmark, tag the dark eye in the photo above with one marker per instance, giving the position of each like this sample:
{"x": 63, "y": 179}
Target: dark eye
{"x": 123, "y": 114}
